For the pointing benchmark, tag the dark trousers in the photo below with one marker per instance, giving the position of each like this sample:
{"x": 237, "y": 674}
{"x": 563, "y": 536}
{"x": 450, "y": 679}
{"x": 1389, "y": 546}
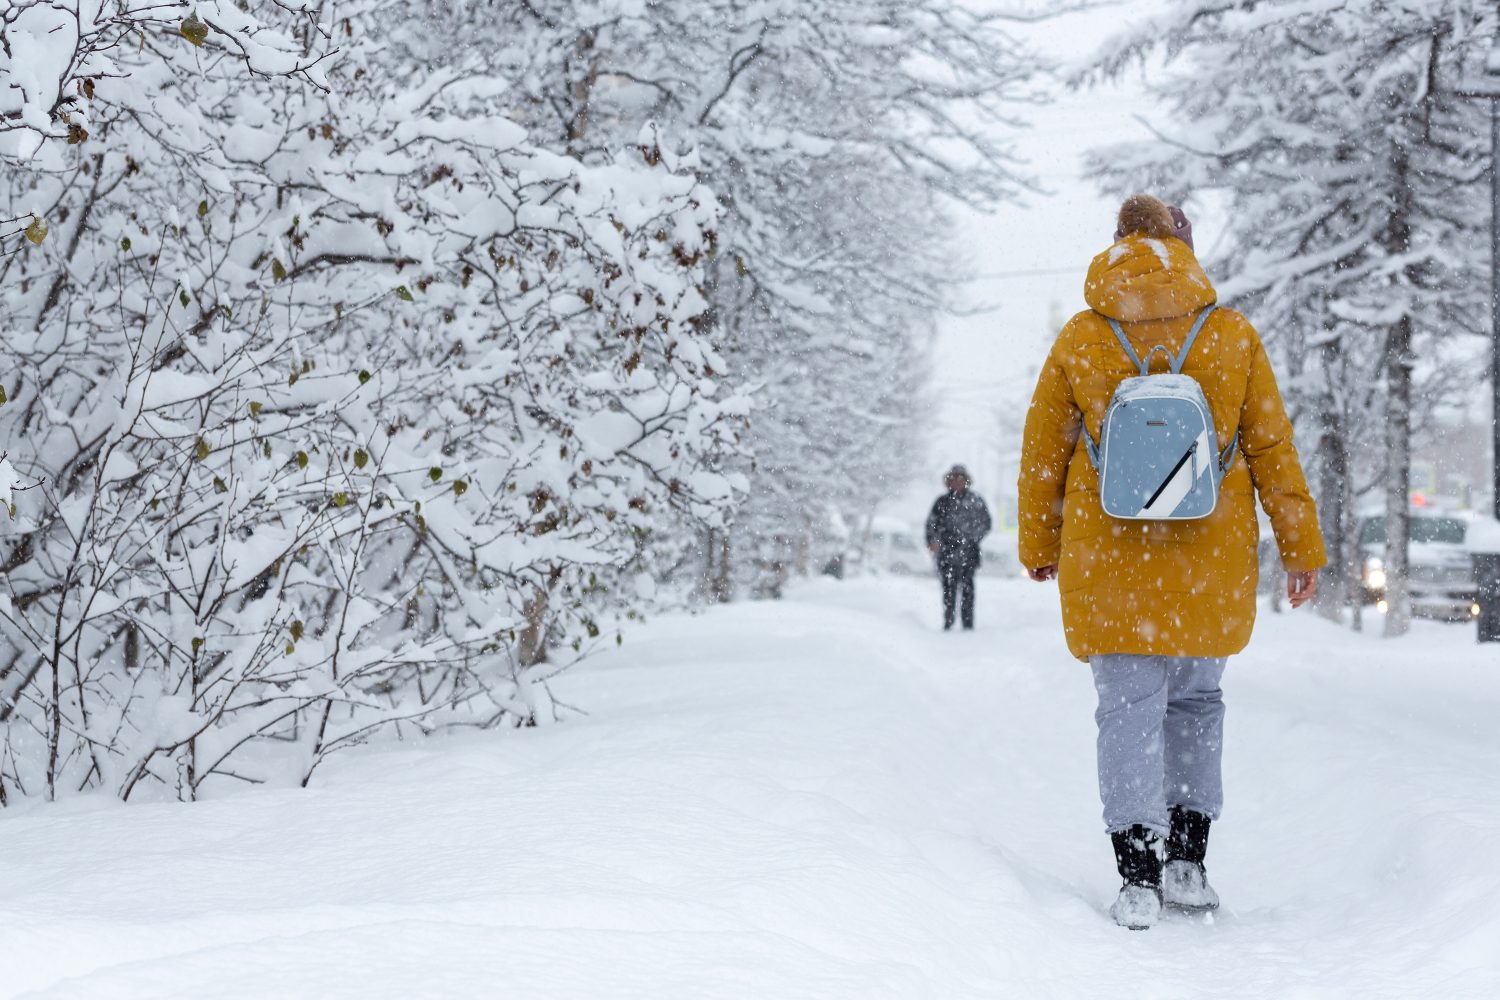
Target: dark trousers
{"x": 958, "y": 588}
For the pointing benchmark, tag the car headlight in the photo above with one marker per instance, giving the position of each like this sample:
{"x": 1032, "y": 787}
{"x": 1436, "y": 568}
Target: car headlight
{"x": 1374, "y": 574}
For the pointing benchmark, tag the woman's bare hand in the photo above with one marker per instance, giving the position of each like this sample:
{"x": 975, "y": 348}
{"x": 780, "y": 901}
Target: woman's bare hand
{"x": 1301, "y": 587}
{"x": 1043, "y": 573}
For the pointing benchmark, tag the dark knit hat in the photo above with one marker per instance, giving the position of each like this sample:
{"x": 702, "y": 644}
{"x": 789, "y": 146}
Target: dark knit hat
{"x": 955, "y": 472}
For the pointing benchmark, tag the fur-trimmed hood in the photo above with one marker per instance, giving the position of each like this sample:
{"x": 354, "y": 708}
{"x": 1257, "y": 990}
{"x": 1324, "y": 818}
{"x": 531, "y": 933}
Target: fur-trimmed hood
{"x": 1145, "y": 278}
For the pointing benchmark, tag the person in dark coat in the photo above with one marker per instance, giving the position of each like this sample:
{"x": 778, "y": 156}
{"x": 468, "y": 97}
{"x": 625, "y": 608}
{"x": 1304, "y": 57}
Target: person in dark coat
{"x": 959, "y": 520}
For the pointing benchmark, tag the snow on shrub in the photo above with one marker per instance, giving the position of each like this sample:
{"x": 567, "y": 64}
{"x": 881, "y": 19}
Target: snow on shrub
{"x": 347, "y": 400}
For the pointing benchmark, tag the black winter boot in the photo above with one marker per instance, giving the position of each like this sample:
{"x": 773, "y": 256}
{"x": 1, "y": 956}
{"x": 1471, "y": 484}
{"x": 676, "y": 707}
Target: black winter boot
{"x": 1138, "y": 855}
{"x": 1184, "y": 882}
{"x": 1188, "y": 840}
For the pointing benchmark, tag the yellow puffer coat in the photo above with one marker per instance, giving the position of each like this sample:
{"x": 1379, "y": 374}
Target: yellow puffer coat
{"x": 1184, "y": 588}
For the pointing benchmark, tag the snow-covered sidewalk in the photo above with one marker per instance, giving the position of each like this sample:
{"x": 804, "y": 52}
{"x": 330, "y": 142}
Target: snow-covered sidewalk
{"x": 820, "y": 797}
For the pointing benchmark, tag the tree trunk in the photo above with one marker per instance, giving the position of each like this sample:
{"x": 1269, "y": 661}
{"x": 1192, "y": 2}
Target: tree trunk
{"x": 54, "y": 729}
{"x": 718, "y": 583}
{"x": 1333, "y": 499}
{"x": 584, "y": 67}
{"x": 1398, "y": 477}
{"x": 1354, "y": 563}
{"x": 534, "y": 636}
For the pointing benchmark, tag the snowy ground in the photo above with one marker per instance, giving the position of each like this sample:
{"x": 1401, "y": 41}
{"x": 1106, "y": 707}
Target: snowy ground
{"x": 823, "y": 797}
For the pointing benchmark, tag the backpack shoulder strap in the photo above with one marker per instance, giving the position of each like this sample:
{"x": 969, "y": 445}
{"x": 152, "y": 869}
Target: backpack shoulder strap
{"x": 1144, "y": 366}
{"x": 1135, "y": 359}
{"x": 1192, "y": 337}
{"x": 1226, "y": 457}
{"x": 1088, "y": 443}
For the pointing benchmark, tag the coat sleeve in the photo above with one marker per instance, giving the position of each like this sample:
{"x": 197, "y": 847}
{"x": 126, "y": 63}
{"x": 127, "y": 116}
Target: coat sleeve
{"x": 1052, "y": 425}
{"x": 1275, "y": 469}
{"x": 932, "y": 524}
{"x": 984, "y": 520}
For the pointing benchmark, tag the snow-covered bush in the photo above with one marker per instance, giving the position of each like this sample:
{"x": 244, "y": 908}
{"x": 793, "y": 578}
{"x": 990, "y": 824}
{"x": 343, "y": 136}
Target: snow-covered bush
{"x": 348, "y": 400}
{"x": 838, "y": 136}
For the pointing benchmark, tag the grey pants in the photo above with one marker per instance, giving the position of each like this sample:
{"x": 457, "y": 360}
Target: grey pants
{"x": 1161, "y": 737}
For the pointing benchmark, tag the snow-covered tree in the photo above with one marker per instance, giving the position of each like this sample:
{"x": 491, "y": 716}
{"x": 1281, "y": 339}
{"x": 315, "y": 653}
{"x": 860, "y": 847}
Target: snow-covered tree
{"x": 346, "y": 399}
{"x": 1352, "y": 163}
{"x": 837, "y": 135}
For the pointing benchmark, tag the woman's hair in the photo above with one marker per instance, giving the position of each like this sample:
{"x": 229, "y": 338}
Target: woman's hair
{"x": 1147, "y": 216}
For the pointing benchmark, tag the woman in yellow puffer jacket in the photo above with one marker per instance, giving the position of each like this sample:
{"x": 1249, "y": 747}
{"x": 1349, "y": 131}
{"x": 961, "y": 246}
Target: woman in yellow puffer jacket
{"x": 1155, "y": 607}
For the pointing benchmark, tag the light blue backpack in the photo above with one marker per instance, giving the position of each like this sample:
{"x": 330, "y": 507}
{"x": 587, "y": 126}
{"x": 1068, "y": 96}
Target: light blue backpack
{"x": 1157, "y": 455}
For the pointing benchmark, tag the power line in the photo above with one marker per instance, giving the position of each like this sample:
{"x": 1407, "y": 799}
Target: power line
{"x": 1035, "y": 273}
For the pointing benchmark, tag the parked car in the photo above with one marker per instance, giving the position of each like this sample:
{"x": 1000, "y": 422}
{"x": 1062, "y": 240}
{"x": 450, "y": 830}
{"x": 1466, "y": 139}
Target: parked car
{"x": 997, "y": 555}
{"x": 1440, "y": 573}
{"x": 890, "y": 546}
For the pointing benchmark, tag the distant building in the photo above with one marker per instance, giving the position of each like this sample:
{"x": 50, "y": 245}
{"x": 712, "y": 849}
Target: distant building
{"x": 1452, "y": 462}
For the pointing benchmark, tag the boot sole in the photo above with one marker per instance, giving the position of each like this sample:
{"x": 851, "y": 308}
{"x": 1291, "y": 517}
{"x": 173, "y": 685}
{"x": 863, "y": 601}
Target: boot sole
{"x": 1185, "y": 908}
{"x": 1137, "y": 927}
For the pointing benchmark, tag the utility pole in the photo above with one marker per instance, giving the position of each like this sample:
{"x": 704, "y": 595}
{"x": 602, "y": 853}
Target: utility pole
{"x": 1492, "y": 69}
{"x": 1487, "y": 564}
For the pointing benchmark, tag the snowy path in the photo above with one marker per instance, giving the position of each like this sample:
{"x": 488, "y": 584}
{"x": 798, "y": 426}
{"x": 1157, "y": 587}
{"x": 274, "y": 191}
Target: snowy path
{"x": 823, "y": 797}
